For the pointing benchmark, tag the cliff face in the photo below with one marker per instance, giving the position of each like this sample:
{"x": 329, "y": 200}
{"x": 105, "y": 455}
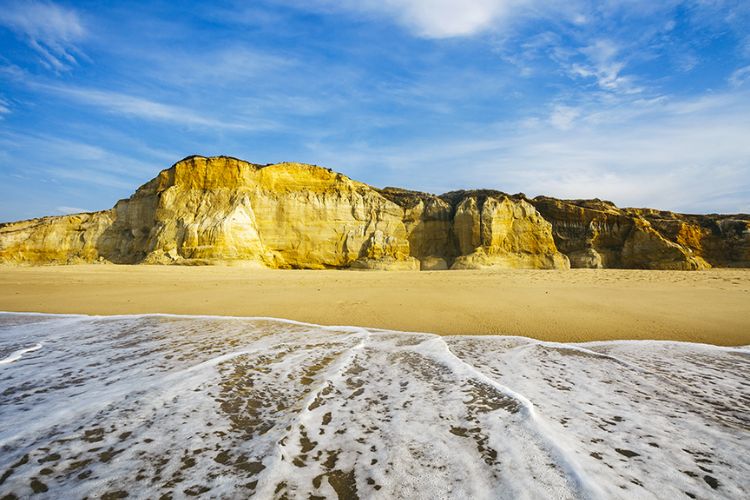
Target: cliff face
{"x": 291, "y": 215}
{"x": 720, "y": 240}
{"x": 476, "y": 230}
{"x": 428, "y": 221}
{"x": 68, "y": 239}
{"x": 596, "y": 234}
{"x": 500, "y": 231}
{"x": 221, "y": 209}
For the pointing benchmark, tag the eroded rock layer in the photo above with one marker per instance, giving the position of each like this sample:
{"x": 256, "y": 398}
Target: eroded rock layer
{"x": 292, "y": 215}
{"x": 205, "y": 210}
{"x": 597, "y": 234}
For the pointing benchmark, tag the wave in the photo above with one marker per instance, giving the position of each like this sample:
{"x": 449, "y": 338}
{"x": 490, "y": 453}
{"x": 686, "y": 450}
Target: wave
{"x": 225, "y": 406}
{"x": 16, "y": 355}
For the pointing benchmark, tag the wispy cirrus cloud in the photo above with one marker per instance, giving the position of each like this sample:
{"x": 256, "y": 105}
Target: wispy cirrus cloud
{"x": 34, "y": 153}
{"x": 605, "y": 64}
{"x": 149, "y": 109}
{"x": 53, "y": 31}
{"x": 646, "y": 153}
{"x": 563, "y": 117}
{"x": 4, "y": 107}
{"x": 439, "y": 18}
{"x": 65, "y": 210}
{"x": 740, "y": 76}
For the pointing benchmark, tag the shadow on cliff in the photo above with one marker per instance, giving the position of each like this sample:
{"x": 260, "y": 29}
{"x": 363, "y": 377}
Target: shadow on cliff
{"x": 118, "y": 243}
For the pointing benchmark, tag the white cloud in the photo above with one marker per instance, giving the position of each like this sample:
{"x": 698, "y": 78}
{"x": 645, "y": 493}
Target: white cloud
{"x": 562, "y": 117}
{"x": 51, "y": 30}
{"x": 53, "y": 159}
{"x": 230, "y": 65}
{"x": 582, "y": 56}
{"x": 685, "y": 155}
{"x": 446, "y": 18}
{"x": 139, "y": 107}
{"x": 740, "y": 77}
{"x": 70, "y": 210}
{"x": 605, "y": 66}
{"x": 4, "y": 107}
{"x": 442, "y": 18}
{"x": 460, "y": 18}
{"x": 682, "y": 155}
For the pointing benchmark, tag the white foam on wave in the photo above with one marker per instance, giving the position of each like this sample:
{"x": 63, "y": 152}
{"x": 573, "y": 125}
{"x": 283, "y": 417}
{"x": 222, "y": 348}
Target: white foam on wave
{"x": 16, "y": 355}
{"x": 582, "y": 485}
{"x": 227, "y": 407}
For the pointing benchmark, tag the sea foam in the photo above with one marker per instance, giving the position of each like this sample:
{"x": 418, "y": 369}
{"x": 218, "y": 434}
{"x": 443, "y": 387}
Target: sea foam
{"x": 234, "y": 407}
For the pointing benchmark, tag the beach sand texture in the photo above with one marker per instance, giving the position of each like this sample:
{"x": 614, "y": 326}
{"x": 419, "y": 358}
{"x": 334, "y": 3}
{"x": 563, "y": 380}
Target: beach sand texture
{"x": 180, "y": 406}
{"x": 566, "y": 306}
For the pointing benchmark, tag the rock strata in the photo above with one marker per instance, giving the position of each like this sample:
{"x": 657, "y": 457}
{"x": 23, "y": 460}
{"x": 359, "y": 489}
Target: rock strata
{"x": 597, "y": 234}
{"x": 206, "y": 210}
{"x": 292, "y": 215}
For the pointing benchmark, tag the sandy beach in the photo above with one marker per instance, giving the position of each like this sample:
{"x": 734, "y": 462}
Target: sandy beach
{"x": 567, "y": 306}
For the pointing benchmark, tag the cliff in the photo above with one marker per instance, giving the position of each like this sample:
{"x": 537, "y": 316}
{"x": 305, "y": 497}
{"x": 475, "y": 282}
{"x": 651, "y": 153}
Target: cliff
{"x": 292, "y": 215}
{"x": 597, "y": 234}
{"x": 476, "y": 229}
{"x": 205, "y": 210}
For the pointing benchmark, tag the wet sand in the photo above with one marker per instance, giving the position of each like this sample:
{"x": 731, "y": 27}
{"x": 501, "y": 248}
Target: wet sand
{"x": 567, "y": 306}
{"x": 180, "y": 406}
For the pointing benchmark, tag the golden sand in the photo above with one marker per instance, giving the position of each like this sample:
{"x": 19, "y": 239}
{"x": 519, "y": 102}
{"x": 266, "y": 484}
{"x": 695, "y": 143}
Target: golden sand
{"x": 567, "y": 306}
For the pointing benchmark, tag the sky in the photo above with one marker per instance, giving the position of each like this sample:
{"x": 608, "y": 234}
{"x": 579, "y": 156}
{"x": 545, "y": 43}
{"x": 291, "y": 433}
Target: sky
{"x": 639, "y": 102}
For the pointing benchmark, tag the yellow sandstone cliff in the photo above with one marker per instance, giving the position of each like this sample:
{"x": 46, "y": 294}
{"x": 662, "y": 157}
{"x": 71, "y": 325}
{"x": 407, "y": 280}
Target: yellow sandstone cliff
{"x": 205, "y": 210}
{"x": 292, "y": 215}
{"x": 597, "y": 234}
{"x": 476, "y": 230}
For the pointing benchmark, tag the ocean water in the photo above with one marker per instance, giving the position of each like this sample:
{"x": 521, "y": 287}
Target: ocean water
{"x": 176, "y": 407}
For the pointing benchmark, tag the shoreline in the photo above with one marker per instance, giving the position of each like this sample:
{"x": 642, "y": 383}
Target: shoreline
{"x": 579, "y": 305}
{"x": 592, "y": 343}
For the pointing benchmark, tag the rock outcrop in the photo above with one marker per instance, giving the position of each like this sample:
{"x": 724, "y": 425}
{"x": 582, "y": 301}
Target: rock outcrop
{"x": 205, "y": 210}
{"x": 68, "y": 239}
{"x": 476, "y": 230}
{"x": 429, "y": 227}
{"x": 720, "y": 240}
{"x": 292, "y": 215}
{"x": 597, "y": 234}
{"x": 503, "y": 232}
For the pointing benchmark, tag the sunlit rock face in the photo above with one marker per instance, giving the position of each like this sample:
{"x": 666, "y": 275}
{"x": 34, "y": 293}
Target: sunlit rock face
{"x": 476, "y": 230}
{"x": 65, "y": 239}
{"x": 429, "y": 225}
{"x": 286, "y": 215}
{"x": 497, "y": 231}
{"x": 292, "y": 215}
{"x": 720, "y": 240}
{"x": 595, "y": 234}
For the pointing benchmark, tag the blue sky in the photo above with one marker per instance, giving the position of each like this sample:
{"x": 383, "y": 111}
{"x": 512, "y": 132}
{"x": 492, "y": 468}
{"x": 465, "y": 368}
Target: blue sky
{"x": 644, "y": 103}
